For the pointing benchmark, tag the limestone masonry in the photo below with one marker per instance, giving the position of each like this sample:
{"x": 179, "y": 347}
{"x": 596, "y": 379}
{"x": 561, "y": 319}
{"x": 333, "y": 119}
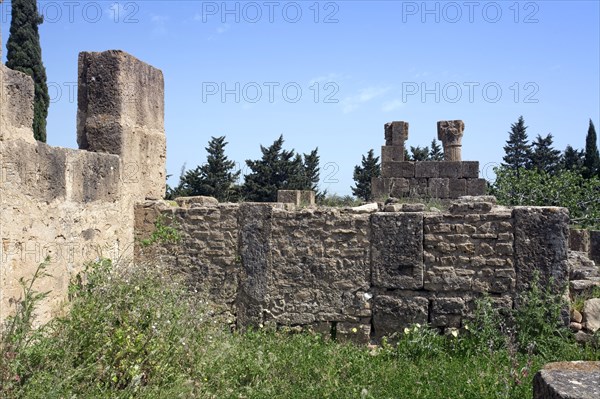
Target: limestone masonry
{"x": 358, "y": 274}
{"x": 77, "y": 205}
{"x": 448, "y": 179}
{"x": 355, "y": 273}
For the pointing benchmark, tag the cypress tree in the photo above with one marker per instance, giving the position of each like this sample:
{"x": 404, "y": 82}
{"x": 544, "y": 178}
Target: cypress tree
{"x": 363, "y": 173}
{"x": 517, "y": 150}
{"x": 544, "y": 157}
{"x": 591, "y": 160}
{"x": 312, "y": 171}
{"x": 436, "y": 153}
{"x": 25, "y": 54}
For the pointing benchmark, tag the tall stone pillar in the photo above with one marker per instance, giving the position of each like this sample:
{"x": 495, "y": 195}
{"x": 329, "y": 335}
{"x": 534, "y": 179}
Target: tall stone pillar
{"x": 450, "y": 133}
{"x": 121, "y": 111}
{"x": 396, "y": 133}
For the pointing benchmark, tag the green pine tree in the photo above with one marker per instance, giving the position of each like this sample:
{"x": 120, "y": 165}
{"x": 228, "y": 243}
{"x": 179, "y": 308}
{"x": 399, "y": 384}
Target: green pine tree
{"x": 215, "y": 178}
{"x": 368, "y": 169}
{"x": 517, "y": 149}
{"x": 591, "y": 160}
{"x": 572, "y": 159}
{"x": 312, "y": 170}
{"x": 419, "y": 153}
{"x": 279, "y": 169}
{"x": 436, "y": 153}
{"x": 544, "y": 157}
{"x": 25, "y": 54}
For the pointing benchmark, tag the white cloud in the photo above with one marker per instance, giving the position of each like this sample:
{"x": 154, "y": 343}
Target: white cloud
{"x": 160, "y": 24}
{"x": 392, "y": 105}
{"x": 331, "y": 77}
{"x": 351, "y": 103}
{"x": 223, "y": 28}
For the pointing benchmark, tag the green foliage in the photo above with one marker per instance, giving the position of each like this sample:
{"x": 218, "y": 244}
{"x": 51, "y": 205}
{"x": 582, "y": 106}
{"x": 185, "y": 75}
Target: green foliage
{"x": 419, "y": 153}
{"x": 25, "y": 54}
{"x": 164, "y": 233}
{"x": 279, "y": 169}
{"x": 436, "y": 153}
{"x": 572, "y": 159}
{"x": 538, "y": 322}
{"x": 566, "y": 188}
{"x": 140, "y": 333}
{"x": 335, "y": 200}
{"x": 517, "y": 149}
{"x": 591, "y": 160}
{"x": 215, "y": 178}
{"x": 17, "y": 335}
{"x": 363, "y": 174}
{"x": 578, "y": 300}
{"x": 544, "y": 157}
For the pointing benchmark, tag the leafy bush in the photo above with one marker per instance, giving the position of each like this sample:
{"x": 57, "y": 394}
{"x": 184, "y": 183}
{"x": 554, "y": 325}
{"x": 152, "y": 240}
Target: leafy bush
{"x": 566, "y": 188}
{"x": 140, "y": 333}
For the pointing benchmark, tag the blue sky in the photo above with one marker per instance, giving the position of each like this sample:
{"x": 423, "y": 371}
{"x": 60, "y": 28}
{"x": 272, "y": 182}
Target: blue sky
{"x": 330, "y": 74}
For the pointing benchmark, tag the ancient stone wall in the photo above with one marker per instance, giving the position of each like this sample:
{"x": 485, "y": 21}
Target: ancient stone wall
{"x": 448, "y": 179}
{"x": 76, "y": 205}
{"x": 355, "y": 274}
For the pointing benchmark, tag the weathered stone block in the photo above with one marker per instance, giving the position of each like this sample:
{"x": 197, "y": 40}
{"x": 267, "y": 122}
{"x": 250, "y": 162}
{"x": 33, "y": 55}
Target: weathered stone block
{"x": 288, "y": 196}
{"x": 392, "y": 153}
{"x": 92, "y": 176}
{"x": 461, "y": 207}
{"x": 121, "y": 111}
{"x": 567, "y": 380}
{"x": 378, "y": 188}
{"x": 470, "y": 170}
{"x": 439, "y": 188}
{"x": 398, "y": 169}
{"x": 427, "y": 169}
{"x": 579, "y": 240}
{"x": 196, "y": 201}
{"x": 448, "y": 311}
{"x": 396, "y": 133}
{"x": 255, "y": 254}
{"x": 392, "y": 313}
{"x": 457, "y": 188}
{"x": 16, "y": 105}
{"x": 450, "y": 169}
{"x": 447, "y": 278}
{"x": 397, "y": 250}
{"x": 398, "y": 187}
{"x": 595, "y": 246}
{"x": 541, "y": 244}
{"x": 36, "y": 170}
{"x": 476, "y": 187}
{"x": 591, "y": 314}
{"x": 307, "y": 198}
{"x": 418, "y": 187}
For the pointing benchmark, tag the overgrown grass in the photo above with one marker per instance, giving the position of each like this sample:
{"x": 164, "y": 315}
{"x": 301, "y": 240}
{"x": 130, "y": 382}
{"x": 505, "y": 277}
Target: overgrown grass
{"x": 143, "y": 335}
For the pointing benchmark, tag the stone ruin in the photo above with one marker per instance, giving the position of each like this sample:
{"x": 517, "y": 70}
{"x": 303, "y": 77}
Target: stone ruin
{"x": 356, "y": 273}
{"x": 448, "y": 179}
{"x": 77, "y": 205}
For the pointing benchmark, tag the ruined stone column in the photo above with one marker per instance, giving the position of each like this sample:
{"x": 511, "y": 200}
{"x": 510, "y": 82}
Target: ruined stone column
{"x": 450, "y": 133}
{"x": 121, "y": 111}
{"x": 396, "y": 133}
